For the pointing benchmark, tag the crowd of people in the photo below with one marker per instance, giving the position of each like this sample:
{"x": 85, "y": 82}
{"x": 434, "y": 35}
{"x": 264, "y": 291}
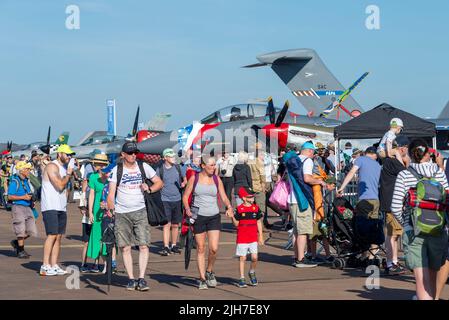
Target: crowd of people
{"x": 401, "y": 186}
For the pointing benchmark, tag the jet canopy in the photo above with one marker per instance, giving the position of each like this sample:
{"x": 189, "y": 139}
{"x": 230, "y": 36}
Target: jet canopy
{"x": 238, "y": 112}
{"x": 95, "y": 140}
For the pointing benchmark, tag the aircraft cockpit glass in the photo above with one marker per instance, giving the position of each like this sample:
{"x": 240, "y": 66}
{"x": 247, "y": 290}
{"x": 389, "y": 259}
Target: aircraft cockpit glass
{"x": 213, "y": 118}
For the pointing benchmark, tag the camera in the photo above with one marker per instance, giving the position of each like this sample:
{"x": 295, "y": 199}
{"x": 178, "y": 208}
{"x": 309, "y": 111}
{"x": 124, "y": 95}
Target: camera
{"x": 32, "y": 200}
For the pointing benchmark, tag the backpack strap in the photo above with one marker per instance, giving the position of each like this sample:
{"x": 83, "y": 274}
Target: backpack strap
{"x": 161, "y": 172}
{"x": 119, "y": 173}
{"x": 178, "y": 168}
{"x": 142, "y": 171}
{"x": 414, "y": 173}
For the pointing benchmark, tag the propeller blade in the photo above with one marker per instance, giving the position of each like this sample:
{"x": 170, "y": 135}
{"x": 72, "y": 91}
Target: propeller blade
{"x": 136, "y": 122}
{"x": 48, "y": 135}
{"x": 45, "y": 149}
{"x": 271, "y": 110}
{"x": 282, "y": 114}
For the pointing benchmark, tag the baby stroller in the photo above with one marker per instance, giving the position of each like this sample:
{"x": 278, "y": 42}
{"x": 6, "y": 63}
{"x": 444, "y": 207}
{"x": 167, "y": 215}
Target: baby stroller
{"x": 352, "y": 236}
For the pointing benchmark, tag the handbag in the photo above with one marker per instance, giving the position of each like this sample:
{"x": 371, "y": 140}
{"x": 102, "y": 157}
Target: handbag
{"x": 279, "y": 196}
{"x": 153, "y": 202}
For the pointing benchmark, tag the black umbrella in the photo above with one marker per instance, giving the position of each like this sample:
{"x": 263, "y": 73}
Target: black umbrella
{"x": 108, "y": 240}
{"x": 189, "y": 238}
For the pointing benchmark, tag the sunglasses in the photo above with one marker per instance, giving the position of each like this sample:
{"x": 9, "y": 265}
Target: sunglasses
{"x": 131, "y": 153}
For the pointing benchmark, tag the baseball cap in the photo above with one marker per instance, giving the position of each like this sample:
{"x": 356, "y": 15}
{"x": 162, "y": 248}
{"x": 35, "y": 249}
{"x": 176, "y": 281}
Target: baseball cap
{"x": 65, "y": 148}
{"x": 308, "y": 145}
{"x": 245, "y": 192}
{"x": 396, "y": 122}
{"x": 402, "y": 141}
{"x": 129, "y": 147}
{"x": 370, "y": 150}
{"x": 21, "y": 165}
{"x": 168, "y": 153}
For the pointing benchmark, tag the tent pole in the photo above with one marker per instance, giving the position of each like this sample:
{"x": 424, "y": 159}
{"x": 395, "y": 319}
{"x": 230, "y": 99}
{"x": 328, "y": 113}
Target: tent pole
{"x": 337, "y": 157}
{"x": 434, "y": 142}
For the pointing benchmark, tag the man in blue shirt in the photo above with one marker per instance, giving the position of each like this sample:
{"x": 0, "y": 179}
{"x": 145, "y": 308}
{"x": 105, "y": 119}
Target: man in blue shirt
{"x": 19, "y": 192}
{"x": 368, "y": 219}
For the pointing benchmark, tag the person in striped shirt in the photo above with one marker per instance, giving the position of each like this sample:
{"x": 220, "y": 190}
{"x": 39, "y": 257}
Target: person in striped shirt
{"x": 423, "y": 254}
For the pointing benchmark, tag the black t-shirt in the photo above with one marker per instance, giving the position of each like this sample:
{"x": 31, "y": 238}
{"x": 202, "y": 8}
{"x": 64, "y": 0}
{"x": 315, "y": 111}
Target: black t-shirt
{"x": 390, "y": 170}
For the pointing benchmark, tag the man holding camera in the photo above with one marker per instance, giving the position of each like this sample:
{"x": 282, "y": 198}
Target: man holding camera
{"x": 19, "y": 192}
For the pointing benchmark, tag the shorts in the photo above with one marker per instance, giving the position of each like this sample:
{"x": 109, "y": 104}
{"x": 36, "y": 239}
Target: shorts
{"x": 173, "y": 211}
{"x": 394, "y": 228}
{"x": 132, "y": 229}
{"x": 23, "y": 222}
{"x": 87, "y": 228}
{"x": 368, "y": 209}
{"x": 204, "y": 224}
{"x": 55, "y": 222}
{"x": 302, "y": 221}
{"x": 424, "y": 251}
{"x": 244, "y": 248}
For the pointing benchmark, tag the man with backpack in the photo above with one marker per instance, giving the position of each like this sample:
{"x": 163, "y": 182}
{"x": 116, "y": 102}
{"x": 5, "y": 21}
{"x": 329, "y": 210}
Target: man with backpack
{"x": 126, "y": 199}
{"x": 174, "y": 181}
{"x": 19, "y": 192}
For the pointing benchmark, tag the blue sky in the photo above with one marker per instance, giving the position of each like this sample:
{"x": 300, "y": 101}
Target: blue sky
{"x": 185, "y": 57}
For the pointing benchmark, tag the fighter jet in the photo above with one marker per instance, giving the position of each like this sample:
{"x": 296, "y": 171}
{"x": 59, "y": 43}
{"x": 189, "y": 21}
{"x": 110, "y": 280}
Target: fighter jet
{"x": 240, "y": 127}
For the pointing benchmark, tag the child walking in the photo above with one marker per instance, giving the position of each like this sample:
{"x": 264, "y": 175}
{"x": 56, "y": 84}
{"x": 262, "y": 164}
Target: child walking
{"x": 248, "y": 220}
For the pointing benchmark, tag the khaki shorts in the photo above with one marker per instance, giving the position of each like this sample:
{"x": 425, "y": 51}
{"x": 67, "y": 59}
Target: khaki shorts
{"x": 23, "y": 222}
{"x": 424, "y": 251}
{"x": 302, "y": 221}
{"x": 132, "y": 229}
{"x": 368, "y": 209}
{"x": 394, "y": 228}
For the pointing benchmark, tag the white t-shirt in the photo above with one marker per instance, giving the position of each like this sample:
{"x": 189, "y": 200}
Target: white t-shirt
{"x": 307, "y": 168}
{"x": 129, "y": 195}
{"x": 390, "y": 136}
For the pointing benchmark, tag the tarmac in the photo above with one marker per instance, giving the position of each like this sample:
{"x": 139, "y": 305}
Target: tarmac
{"x": 168, "y": 280}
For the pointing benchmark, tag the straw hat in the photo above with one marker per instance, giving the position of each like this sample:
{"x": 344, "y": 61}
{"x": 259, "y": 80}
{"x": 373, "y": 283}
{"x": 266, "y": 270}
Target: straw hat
{"x": 100, "y": 158}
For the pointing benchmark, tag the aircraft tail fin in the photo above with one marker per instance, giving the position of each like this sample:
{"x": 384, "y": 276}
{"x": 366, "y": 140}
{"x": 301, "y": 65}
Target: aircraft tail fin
{"x": 310, "y": 81}
{"x": 63, "y": 138}
{"x": 445, "y": 112}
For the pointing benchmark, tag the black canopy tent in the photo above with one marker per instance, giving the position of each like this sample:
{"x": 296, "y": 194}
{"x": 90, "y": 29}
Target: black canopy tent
{"x": 376, "y": 122}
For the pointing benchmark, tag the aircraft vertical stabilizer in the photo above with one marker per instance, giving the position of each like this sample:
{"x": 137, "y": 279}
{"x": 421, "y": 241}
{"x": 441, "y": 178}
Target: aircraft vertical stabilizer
{"x": 309, "y": 80}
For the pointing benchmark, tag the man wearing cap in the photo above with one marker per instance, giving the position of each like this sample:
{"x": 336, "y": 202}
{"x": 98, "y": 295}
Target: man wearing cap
{"x": 174, "y": 181}
{"x": 367, "y": 208}
{"x": 55, "y": 178}
{"x": 131, "y": 222}
{"x": 390, "y": 170}
{"x": 19, "y": 192}
{"x": 303, "y": 220}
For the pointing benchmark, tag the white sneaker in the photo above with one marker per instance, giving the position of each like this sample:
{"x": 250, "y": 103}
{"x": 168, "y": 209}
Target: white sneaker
{"x": 47, "y": 271}
{"x": 415, "y": 297}
{"x": 59, "y": 271}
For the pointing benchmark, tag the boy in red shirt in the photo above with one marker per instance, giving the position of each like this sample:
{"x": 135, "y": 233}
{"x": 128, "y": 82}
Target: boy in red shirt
{"x": 248, "y": 221}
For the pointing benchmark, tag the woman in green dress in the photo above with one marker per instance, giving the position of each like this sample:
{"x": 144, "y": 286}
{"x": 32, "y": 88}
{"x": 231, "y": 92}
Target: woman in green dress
{"x": 97, "y": 182}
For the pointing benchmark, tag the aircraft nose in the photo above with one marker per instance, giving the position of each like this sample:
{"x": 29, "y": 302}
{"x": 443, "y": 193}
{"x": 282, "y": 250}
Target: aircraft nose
{"x": 280, "y": 133}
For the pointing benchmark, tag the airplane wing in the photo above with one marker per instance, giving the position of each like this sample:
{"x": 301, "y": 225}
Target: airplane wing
{"x": 309, "y": 80}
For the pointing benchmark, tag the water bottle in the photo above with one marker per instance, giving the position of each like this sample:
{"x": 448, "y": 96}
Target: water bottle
{"x": 324, "y": 229}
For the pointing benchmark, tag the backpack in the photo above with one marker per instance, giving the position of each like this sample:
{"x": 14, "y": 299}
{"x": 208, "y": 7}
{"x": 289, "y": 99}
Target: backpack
{"x": 153, "y": 202}
{"x": 427, "y": 201}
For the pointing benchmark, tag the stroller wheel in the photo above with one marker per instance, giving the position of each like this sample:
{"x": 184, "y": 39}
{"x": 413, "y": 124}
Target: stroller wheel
{"x": 338, "y": 264}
